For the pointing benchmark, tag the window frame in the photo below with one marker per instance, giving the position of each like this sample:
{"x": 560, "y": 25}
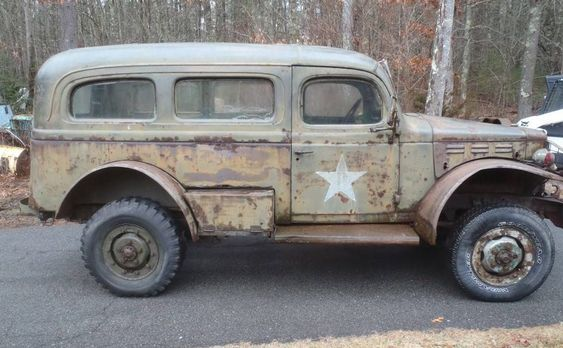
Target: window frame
{"x": 273, "y": 119}
{"x": 77, "y": 86}
{"x": 372, "y": 83}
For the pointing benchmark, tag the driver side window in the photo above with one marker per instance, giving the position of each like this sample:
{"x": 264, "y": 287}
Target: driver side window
{"x": 341, "y": 101}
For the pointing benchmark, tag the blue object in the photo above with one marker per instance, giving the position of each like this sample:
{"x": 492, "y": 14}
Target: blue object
{"x": 5, "y": 115}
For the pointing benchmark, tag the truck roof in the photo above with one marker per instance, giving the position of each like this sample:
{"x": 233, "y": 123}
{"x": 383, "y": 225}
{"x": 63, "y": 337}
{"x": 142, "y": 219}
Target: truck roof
{"x": 203, "y": 54}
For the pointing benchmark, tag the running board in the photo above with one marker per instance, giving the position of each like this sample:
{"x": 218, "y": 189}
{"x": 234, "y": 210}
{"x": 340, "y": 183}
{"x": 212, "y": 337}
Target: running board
{"x": 380, "y": 234}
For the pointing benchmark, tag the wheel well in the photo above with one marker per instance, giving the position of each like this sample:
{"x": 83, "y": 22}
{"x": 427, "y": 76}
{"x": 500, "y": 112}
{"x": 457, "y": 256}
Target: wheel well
{"x": 497, "y": 185}
{"x": 109, "y": 184}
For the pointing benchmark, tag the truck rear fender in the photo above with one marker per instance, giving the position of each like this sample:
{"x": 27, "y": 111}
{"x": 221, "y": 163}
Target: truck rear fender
{"x": 101, "y": 177}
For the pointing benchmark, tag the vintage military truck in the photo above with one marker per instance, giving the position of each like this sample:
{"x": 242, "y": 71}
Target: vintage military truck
{"x": 160, "y": 144}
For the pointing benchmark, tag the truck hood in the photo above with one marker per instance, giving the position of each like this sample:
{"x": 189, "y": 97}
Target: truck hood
{"x": 445, "y": 129}
{"x": 458, "y": 141}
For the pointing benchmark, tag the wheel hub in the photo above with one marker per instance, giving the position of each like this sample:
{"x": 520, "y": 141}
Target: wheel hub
{"x": 130, "y": 252}
{"x": 503, "y": 256}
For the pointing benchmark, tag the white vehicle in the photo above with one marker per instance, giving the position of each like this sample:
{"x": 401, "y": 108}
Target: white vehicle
{"x": 552, "y": 123}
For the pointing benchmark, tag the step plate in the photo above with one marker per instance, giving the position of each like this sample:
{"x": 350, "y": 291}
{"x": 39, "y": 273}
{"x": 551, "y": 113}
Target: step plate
{"x": 380, "y": 234}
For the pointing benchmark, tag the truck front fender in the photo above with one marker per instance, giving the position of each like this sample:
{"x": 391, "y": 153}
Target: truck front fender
{"x": 431, "y": 206}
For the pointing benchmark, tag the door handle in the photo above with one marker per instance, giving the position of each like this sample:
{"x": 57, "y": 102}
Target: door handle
{"x": 302, "y": 152}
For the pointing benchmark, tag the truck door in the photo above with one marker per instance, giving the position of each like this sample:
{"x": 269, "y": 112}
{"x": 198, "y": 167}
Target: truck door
{"x": 344, "y": 158}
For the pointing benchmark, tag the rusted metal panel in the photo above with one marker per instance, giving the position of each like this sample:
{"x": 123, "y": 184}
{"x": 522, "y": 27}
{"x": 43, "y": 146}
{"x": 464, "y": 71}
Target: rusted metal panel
{"x": 197, "y": 165}
{"x": 430, "y": 207}
{"x": 232, "y": 210}
{"x": 380, "y": 234}
{"x": 373, "y": 182}
{"x": 417, "y": 174}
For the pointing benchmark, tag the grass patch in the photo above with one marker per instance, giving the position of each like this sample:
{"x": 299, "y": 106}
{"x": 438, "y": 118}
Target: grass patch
{"x": 541, "y": 336}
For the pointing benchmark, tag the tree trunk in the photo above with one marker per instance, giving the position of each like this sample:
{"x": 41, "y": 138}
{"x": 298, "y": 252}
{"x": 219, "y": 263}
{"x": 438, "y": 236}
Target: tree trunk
{"x": 293, "y": 34}
{"x": 67, "y": 15}
{"x": 466, "y": 59}
{"x": 29, "y": 51}
{"x": 559, "y": 37}
{"x": 448, "y": 108}
{"x": 529, "y": 60}
{"x": 441, "y": 57}
{"x": 347, "y": 23}
{"x": 220, "y": 20}
{"x": 507, "y": 32}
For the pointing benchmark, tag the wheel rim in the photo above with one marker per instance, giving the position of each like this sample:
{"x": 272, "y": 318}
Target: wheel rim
{"x": 503, "y": 256}
{"x": 130, "y": 252}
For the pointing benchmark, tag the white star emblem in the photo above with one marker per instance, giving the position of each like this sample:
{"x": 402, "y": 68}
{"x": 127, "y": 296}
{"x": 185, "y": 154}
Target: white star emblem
{"x": 340, "y": 180}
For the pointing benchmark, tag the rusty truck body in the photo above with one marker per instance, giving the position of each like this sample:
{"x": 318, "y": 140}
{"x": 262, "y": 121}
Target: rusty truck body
{"x": 158, "y": 144}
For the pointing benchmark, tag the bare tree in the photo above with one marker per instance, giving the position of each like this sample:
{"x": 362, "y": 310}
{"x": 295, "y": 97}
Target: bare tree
{"x": 347, "y": 23}
{"x": 466, "y": 60}
{"x": 441, "y": 57}
{"x": 29, "y": 49}
{"x": 220, "y": 19}
{"x": 529, "y": 59}
{"x": 68, "y": 25}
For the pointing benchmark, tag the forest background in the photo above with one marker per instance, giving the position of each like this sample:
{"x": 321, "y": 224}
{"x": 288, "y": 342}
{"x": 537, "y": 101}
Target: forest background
{"x": 490, "y": 57}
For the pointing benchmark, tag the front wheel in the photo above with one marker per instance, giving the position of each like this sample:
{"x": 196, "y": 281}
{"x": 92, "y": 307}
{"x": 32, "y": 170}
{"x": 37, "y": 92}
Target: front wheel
{"x": 502, "y": 253}
{"x": 132, "y": 247}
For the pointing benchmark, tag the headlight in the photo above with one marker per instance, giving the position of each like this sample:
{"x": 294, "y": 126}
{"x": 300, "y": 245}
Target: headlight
{"x": 544, "y": 158}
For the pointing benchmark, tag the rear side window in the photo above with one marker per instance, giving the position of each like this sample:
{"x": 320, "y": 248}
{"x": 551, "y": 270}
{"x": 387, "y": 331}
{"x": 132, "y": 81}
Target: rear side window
{"x": 341, "y": 101}
{"x": 116, "y": 99}
{"x": 225, "y": 99}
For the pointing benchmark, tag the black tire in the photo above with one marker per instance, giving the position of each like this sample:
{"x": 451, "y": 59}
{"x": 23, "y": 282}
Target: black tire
{"x": 473, "y": 273}
{"x": 153, "y": 239}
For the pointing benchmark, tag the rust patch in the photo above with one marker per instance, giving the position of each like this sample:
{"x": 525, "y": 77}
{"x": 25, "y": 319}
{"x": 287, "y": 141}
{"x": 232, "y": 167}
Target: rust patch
{"x": 135, "y": 158}
{"x": 164, "y": 139}
{"x": 233, "y": 210}
{"x": 213, "y": 140}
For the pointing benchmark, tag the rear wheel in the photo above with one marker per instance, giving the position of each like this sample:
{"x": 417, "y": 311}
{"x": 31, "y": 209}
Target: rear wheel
{"x": 502, "y": 253}
{"x": 132, "y": 247}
